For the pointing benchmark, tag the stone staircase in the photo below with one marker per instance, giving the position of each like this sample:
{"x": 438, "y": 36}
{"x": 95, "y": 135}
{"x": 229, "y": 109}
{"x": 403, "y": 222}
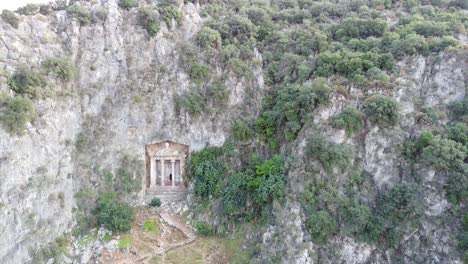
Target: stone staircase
{"x": 167, "y": 194}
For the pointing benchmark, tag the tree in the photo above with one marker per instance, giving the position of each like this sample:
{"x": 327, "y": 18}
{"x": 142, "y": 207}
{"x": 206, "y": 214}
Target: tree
{"x": 112, "y": 214}
{"x": 382, "y": 110}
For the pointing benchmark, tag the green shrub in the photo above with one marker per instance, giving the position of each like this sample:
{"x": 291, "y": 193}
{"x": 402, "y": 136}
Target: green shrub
{"x": 128, "y": 4}
{"x": 241, "y": 131}
{"x": 329, "y": 154}
{"x": 169, "y": 12}
{"x": 28, "y": 10}
{"x": 10, "y": 18}
{"x": 362, "y": 223}
{"x": 151, "y": 226}
{"x": 203, "y": 229}
{"x": 62, "y": 67}
{"x": 17, "y": 113}
{"x": 443, "y": 154}
{"x": 128, "y": 176}
{"x": 350, "y": 119}
{"x": 234, "y": 194}
{"x": 125, "y": 242}
{"x": 457, "y": 185}
{"x": 381, "y": 110}
{"x": 148, "y": 19}
{"x": 360, "y": 28}
{"x": 191, "y": 102}
{"x": 459, "y": 110}
{"x": 209, "y": 38}
{"x": 199, "y": 72}
{"x": 399, "y": 204}
{"x": 269, "y": 182}
{"x": 207, "y": 178}
{"x": 112, "y": 214}
{"x": 156, "y": 202}
{"x": 321, "y": 226}
{"x": 27, "y": 82}
{"x": 80, "y": 13}
{"x": 458, "y": 133}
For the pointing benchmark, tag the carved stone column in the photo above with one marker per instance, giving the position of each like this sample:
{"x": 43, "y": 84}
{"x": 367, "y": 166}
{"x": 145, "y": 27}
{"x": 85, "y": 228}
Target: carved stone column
{"x": 152, "y": 173}
{"x": 173, "y": 173}
{"x": 163, "y": 164}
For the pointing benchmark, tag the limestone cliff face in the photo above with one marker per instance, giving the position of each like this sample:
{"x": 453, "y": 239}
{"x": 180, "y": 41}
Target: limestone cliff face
{"x": 117, "y": 62}
{"x": 433, "y": 241}
{"x": 123, "y": 98}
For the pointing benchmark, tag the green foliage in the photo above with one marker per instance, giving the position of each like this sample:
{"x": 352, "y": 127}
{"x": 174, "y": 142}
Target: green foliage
{"x": 169, "y": 12}
{"x": 350, "y": 119}
{"x": 125, "y": 242}
{"x": 207, "y": 178}
{"x": 151, "y": 226}
{"x": 457, "y": 185}
{"x": 360, "y": 28}
{"x": 411, "y": 44}
{"x": 362, "y": 223}
{"x": 269, "y": 182}
{"x": 62, "y": 67}
{"x": 443, "y": 154}
{"x": 80, "y": 13}
{"x": 321, "y": 226}
{"x": 25, "y": 81}
{"x": 329, "y": 154}
{"x": 155, "y": 202}
{"x": 128, "y": 177}
{"x": 459, "y": 110}
{"x": 18, "y": 112}
{"x": 148, "y": 19}
{"x": 382, "y": 110}
{"x": 128, "y": 4}
{"x": 192, "y": 102}
{"x": 10, "y": 18}
{"x": 209, "y": 38}
{"x": 112, "y": 214}
{"x": 458, "y": 133}
{"x": 203, "y": 229}
{"x": 234, "y": 194}
{"x": 199, "y": 72}
{"x": 241, "y": 131}
{"x": 56, "y": 250}
{"x": 399, "y": 204}
{"x": 28, "y": 10}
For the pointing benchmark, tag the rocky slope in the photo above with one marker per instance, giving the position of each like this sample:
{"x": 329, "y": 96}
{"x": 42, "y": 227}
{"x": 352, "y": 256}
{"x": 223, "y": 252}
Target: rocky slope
{"x": 116, "y": 62}
{"x": 124, "y": 97}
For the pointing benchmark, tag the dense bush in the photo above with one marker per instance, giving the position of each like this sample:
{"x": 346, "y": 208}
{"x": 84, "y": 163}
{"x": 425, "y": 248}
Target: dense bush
{"x": 459, "y": 110}
{"x": 17, "y": 113}
{"x": 350, "y": 119}
{"x": 235, "y": 194}
{"x": 241, "y": 131}
{"x": 199, "y": 72}
{"x": 207, "y": 171}
{"x": 25, "y": 81}
{"x": 329, "y": 154}
{"x": 28, "y": 10}
{"x": 203, "y": 229}
{"x": 381, "y": 110}
{"x": 156, "y": 202}
{"x": 457, "y": 185}
{"x": 112, "y": 214}
{"x": 361, "y": 222}
{"x": 128, "y": 4}
{"x": 209, "y": 38}
{"x": 321, "y": 226}
{"x": 458, "y": 133}
{"x": 192, "y": 102}
{"x": 80, "y": 13}
{"x": 170, "y": 12}
{"x": 62, "y": 67}
{"x": 399, "y": 204}
{"x": 148, "y": 19}
{"x": 360, "y": 28}
{"x": 269, "y": 182}
{"x": 10, "y": 18}
{"x": 443, "y": 154}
